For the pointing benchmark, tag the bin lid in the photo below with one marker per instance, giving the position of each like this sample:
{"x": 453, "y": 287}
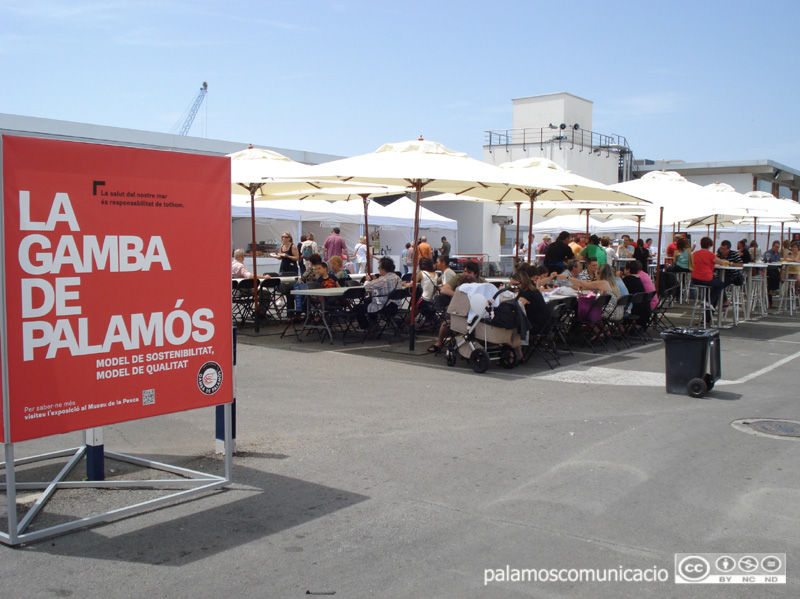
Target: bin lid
{"x": 689, "y": 333}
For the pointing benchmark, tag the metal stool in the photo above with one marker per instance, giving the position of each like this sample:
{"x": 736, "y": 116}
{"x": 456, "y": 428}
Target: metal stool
{"x": 684, "y": 280}
{"x": 788, "y": 295}
{"x": 736, "y": 302}
{"x": 757, "y": 294}
{"x": 702, "y": 300}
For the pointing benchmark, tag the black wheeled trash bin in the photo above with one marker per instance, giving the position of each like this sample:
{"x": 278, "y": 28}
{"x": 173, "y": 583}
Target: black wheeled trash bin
{"x": 693, "y": 360}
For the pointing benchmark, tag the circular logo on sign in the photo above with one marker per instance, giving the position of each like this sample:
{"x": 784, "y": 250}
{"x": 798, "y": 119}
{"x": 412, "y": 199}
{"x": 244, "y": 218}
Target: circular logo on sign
{"x": 209, "y": 378}
{"x": 693, "y": 568}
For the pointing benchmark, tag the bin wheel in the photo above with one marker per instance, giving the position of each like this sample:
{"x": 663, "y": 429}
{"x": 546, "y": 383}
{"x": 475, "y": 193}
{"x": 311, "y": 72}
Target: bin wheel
{"x": 508, "y": 358}
{"x": 450, "y": 354}
{"x": 709, "y": 380}
{"x": 697, "y": 387}
{"x": 479, "y": 360}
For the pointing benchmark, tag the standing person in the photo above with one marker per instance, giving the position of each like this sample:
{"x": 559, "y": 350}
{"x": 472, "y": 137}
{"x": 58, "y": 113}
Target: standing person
{"x": 424, "y": 250}
{"x": 445, "y": 249}
{"x": 558, "y": 252}
{"x": 307, "y": 248}
{"x": 773, "y": 272}
{"x": 545, "y": 243}
{"x": 334, "y": 245}
{"x": 288, "y": 255}
{"x": 744, "y": 251}
{"x": 406, "y": 258}
{"x": 575, "y": 246}
{"x": 611, "y": 255}
{"x": 626, "y": 249}
{"x": 361, "y": 250}
{"x": 593, "y": 250}
{"x": 641, "y": 253}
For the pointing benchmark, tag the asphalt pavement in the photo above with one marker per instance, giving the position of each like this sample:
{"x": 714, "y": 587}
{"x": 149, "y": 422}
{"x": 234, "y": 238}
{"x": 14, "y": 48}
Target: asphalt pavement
{"x": 369, "y": 470}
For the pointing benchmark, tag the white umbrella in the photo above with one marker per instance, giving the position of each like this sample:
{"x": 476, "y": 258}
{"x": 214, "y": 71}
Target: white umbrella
{"x": 417, "y": 165}
{"x": 258, "y": 173}
{"x": 582, "y": 189}
{"x": 346, "y": 193}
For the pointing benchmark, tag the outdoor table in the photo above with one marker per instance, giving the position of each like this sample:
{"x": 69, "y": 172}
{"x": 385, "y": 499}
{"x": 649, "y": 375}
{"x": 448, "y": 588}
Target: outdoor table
{"x": 319, "y": 310}
{"x": 723, "y": 270}
{"x": 497, "y": 280}
{"x": 358, "y": 276}
{"x": 755, "y": 291}
{"x": 619, "y": 263}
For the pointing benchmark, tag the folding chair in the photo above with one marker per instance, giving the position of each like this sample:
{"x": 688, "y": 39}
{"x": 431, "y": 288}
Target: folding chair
{"x": 543, "y": 343}
{"x": 592, "y": 327}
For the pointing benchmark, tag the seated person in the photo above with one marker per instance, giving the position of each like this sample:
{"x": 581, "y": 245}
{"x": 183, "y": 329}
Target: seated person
{"x": 336, "y": 266}
{"x": 443, "y": 266}
{"x": 572, "y": 269}
{"x": 426, "y": 279}
{"x": 471, "y": 274}
{"x": 239, "y": 270}
{"x": 704, "y": 261}
{"x": 379, "y": 286}
{"x": 309, "y": 276}
{"x": 530, "y": 298}
{"x": 324, "y": 278}
{"x": 590, "y": 272}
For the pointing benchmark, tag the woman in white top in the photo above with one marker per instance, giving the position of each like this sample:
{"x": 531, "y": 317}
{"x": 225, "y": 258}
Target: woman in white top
{"x": 426, "y": 277}
{"x": 361, "y": 254}
{"x": 308, "y": 247}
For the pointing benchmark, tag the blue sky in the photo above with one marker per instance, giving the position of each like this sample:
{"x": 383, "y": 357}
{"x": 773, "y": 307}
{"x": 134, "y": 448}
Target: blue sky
{"x": 700, "y": 81}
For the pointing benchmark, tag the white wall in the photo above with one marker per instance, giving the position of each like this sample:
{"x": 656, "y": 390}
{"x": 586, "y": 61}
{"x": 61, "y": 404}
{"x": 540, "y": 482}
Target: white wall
{"x": 540, "y": 111}
{"x": 602, "y": 167}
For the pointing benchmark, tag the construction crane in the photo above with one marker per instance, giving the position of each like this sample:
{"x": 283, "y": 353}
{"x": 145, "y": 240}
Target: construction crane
{"x": 187, "y": 123}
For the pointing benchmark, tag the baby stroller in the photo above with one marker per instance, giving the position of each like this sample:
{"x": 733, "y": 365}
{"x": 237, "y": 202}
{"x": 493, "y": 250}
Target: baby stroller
{"x": 483, "y": 327}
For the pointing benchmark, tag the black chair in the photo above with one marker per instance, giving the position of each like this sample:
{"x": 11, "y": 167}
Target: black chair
{"x": 245, "y": 298}
{"x": 617, "y": 328}
{"x": 565, "y": 325}
{"x": 592, "y": 327}
{"x": 659, "y": 319}
{"x": 636, "y": 322}
{"x": 543, "y": 343}
{"x": 342, "y": 318}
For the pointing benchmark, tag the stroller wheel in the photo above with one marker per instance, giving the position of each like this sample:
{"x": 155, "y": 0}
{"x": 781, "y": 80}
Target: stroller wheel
{"x": 508, "y": 358}
{"x": 451, "y": 356}
{"x": 479, "y": 360}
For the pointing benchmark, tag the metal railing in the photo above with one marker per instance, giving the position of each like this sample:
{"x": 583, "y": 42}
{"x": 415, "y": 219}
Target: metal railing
{"x": 569, "y": 137}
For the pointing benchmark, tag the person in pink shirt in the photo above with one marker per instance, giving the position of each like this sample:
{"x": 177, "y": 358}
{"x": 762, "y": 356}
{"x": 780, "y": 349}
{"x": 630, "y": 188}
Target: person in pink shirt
{"x": 335, "y": 245}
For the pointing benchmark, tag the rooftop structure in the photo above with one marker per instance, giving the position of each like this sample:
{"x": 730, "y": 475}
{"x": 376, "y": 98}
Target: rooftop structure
{"x": 743, "y": 175}
{"x": 559, "y": 127}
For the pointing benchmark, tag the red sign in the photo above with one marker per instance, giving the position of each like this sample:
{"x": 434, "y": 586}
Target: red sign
{"x": 116, "y": 277}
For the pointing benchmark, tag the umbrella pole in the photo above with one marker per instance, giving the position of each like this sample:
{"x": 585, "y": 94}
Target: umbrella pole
{"x": 781, "y": 234}
{"x": 755, "y": 220}
{"x": 769, "y": 234}
{"x": 639, "y": 228}
{"x": 715, "y": 231}
{"x": 658, "y": 257}
{"x": 365, "y": 197}
{"x": 530, "y": 228}
{"x": 256, "y": 319}
{"x": 587, "y": 223}
{"x": 411, "y": 326}
{"x": 516, "y": 245}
